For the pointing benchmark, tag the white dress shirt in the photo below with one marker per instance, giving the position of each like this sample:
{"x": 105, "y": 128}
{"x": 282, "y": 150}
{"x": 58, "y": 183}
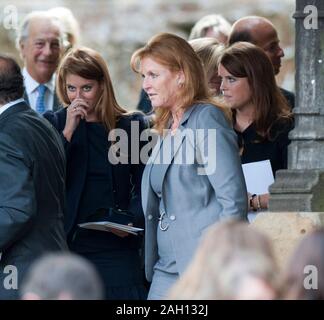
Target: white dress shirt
{"x": 31, "y": 86}
{"x": 8, "y": 105}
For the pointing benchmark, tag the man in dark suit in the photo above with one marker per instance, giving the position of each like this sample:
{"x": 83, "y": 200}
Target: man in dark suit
{"x": 32, "y": 178}
{"x": 40, "y": 42}
{"x": 261, "y": 32}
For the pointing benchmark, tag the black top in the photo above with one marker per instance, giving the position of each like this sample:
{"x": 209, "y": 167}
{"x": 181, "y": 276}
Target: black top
{"x": 98, "y": 188}
{"x": 126, "y": 178}
{"x": 253, "y": 148}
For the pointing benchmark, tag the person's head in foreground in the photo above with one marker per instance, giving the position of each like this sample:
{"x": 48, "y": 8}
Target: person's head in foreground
{"x": 62, "y": 276}
{"x": 234, "y": 261}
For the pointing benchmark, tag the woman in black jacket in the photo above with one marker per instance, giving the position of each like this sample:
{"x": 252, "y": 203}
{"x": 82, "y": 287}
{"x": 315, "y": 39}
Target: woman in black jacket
{"x": 98, "y": 186}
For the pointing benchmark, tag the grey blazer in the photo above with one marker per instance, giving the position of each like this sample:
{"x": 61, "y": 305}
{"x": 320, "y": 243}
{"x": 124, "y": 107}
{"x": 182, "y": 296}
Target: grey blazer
{"x": 192, "y": 201}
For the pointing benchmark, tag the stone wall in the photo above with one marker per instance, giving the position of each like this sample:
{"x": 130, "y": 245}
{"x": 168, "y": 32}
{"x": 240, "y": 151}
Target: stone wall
{"x": 117, "y": 27}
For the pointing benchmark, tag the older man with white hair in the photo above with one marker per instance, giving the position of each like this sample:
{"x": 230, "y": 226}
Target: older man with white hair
{"x": 40, "y": 42}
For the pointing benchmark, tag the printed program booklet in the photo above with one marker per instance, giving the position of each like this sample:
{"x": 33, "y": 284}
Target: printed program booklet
{"x": 106, "y": 225}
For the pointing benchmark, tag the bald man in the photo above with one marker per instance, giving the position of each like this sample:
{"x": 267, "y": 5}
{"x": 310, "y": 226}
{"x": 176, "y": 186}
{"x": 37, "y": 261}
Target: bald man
{"x": 261, "y": 32}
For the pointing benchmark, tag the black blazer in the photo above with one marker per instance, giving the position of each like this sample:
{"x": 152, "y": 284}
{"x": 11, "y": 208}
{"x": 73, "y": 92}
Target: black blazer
{"x": 126, "y": 177}
{"x": 32, "y": 174}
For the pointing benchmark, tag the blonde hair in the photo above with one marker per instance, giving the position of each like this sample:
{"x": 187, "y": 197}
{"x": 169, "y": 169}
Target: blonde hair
{"x": 89, "y": 64}
{"x": 209, "y": 51}
{"x": 177, "y": 55}
{"x": 229, "y": 253}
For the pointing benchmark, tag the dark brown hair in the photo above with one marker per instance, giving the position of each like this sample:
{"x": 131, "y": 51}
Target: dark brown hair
{"x": 245, "y": 60}
{"x": 11, "y": 80}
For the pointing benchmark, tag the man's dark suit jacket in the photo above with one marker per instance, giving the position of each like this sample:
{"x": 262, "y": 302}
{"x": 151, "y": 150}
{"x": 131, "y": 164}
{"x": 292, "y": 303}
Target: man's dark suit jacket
{"x": 126, "y": 178}
{"x": 32, "y": 191}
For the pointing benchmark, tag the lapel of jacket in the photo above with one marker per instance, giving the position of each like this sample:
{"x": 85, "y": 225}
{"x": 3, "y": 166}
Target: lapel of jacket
{"x": 178, "y": 142}
{"x": 25, "y": 96}
{"x": 149, "y": 199}
{"x": 56, "y": 103}
{"x": 148, "y": 196}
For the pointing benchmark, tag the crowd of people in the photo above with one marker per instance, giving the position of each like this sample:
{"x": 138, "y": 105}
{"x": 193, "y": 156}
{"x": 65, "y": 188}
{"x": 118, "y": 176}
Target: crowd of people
{"x": 70, "y": 154}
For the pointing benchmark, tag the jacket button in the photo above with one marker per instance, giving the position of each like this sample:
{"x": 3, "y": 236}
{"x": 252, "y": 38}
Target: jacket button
{"x": 172, "y": 217}
{"x": 149, "y": 217}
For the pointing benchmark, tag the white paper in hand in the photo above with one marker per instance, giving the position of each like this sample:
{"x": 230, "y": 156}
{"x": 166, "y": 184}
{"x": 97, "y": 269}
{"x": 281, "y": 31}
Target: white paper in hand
{"x": 258, "y": 177}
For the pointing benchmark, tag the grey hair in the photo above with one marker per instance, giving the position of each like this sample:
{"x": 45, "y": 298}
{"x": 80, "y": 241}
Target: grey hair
{"x": 23, "y": 30}
{"x": 69, "y": 23}
{"x": 215, "y": 21}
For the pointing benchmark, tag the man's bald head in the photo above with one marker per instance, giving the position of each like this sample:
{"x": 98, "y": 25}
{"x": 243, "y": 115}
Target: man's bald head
{"x": 261, "y": 32}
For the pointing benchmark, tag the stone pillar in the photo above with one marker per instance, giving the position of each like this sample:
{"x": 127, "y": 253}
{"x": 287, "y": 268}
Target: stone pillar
{"x": 301, "y": 187}
{"x": 297, "y": 197}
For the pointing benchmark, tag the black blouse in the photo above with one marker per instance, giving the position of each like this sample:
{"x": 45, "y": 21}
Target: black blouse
{"x": 253, "y": 148}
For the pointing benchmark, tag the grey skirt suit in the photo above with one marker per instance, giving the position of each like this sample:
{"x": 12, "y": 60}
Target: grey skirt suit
{"x": 194, "y": 194}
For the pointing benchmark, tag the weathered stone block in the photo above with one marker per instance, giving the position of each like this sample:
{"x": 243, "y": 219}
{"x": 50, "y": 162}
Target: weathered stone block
{"x": 286, "y": 229}
{"x": 297, "y": 190}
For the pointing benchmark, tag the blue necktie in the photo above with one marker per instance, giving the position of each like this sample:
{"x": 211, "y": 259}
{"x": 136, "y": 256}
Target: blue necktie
{"x": 40, "y": 103}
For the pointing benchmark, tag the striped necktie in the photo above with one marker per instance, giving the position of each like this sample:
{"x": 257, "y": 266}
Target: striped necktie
{"x": 40, "y": 102}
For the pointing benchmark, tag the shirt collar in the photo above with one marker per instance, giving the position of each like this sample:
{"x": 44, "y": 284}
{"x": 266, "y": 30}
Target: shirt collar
{"x": 8, "y": 105}
{"x": 31, "y": 84}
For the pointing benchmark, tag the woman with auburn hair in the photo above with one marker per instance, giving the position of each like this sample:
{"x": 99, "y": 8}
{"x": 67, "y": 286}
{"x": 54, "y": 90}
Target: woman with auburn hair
{"x": 194, "y": 135}
{"x": 233, "y": 262}
{"x": 209, "y": 50}
{"x": 261, "y": 115}
{"x": 97, "y": 187}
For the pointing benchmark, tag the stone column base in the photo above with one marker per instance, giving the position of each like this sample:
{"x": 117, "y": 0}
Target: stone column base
{"x": 297, "y": 190}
